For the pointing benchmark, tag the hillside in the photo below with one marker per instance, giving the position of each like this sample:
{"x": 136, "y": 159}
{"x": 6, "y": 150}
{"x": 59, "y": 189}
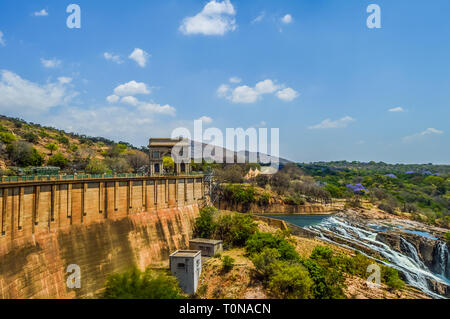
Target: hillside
{"x": 26, "y": 144}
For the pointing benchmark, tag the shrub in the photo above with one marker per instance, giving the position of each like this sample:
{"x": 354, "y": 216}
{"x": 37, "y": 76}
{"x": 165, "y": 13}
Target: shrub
{"x": 257, "y": 242}
{"x": 24, "y": 154}
{"x": 265, "y": 262}
{"x": 58, "y": 160}
{"x": 235, "y": 229}
{"x": 264, "y": 199}
{"x": 291, "y": 282}
{"x": 391, "y": 277}
{"x": 7, "y": 137}
{"x": 63, "y": 140}
{"x": 31, "y": 137}
{"x": 447, "y": 237}
{"x": 96, "y": 166}
{"x": 142, "y": 285}
{"x": 328, "y": 282}
{"x": 227, "y": 263}
{"x": 204, "y": 225}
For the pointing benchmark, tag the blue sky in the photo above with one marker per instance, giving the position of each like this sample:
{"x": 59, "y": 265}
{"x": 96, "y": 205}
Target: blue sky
{"x": 336, "y": 89}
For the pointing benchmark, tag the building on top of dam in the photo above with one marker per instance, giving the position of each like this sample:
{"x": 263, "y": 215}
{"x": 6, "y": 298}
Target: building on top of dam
{"x": 162, "y": 147}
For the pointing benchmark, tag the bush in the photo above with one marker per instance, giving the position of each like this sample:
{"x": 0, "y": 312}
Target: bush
{"x": 24, "y": 154}
{"x": 235, "y": 229}
{"x": 264, "y": 199}
{"x": 96, "y": 166}
{"x": 63, "y": 140}
{"x": 31, "y": 137}
{"x": 447, "y": 237}
{"x": 227, "y": 263}
{"x": 58, "y": 160}
{"x": 265, "y": 262}
{"x": 291, "y": 282}
{"x": 391, "y": 277}
{"x": 142, "y": 285}
{"x": 7, "y": 137}
{"x": 259, "y": 241}
{"x": 328, "y": 282}
{"x": 204, "y": 225}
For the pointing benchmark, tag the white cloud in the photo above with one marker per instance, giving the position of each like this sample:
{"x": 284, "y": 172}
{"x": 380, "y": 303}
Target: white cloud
{"x": 64, "y": 80}
{"x": 52, "y": 63}
{"x": 223, "y": 90}
{"x": 156, "y": 108}
{"x": 140, "y": 56}
{"x": 287, "y": 94}
{"x": 397, "y": 109}
{"x": 246, "y": 94}
{"x": 24, "y": 96}
{"x": 2, "y": 40}
{"x": 131, "y": 88}
{"x": 266, "y": 87}
{"x": 124, "y": 94}
{"x": 216, "y": 18}
{"x": 42, "y": 13}
{"x": 287, "y": 19}
{"x": 206, "y": 119}
{"x": 327, "y": 124}
{"x": 130, "y": 100}
{"x": 259, "y": 18}
{"x": 418, "y": 136}
{"x": 112, "y": 98}
{"x": 235, "y": 79}
{"x": 111, "y": 57}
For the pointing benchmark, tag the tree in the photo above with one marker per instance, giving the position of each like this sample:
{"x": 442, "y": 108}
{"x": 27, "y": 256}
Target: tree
{"x": 204, "y": 225}
{"x": 24, "y": 154}
{"x": 137, "y": 160}
{"x": 58, "y": 160}
{"x": 168, "y": 164}
{"x": 51, "y": 147}
{"x": 135, "y": 284}
{"x": 118, "y": 164}
{"x": 96, "y": 166}
{"x": 31, "y": 137}
{"x": 291, "y": 282}
{"x": 7, "y": 137}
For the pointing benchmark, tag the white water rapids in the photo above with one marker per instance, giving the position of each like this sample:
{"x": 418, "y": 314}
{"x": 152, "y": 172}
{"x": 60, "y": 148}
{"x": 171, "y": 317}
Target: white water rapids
{"x": 409, "y": 263}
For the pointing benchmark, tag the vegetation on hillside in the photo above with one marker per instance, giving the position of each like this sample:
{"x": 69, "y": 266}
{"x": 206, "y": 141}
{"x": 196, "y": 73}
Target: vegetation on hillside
{"x": 135, "y": 284}
{"x": 278, "y": 265}
{"x": 25, "y": 145}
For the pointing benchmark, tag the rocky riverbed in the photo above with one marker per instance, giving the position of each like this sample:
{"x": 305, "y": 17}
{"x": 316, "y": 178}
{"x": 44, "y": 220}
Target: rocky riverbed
{"x": 417, "y": 250}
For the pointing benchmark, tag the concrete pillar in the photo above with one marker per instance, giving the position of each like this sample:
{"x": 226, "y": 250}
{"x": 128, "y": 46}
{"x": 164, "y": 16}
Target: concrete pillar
{"x": 144, "y": 194}
{"x": 4, "y": 211}
{"x": 52, "y": 204}
{"x": 167, "y": 191}
{"x": 101, "y": 201}
{"x": 20, "y": 217}
{"x": 37, "y": 195}
{"x": 116, "y": 195}
{"x": 69, "y": 202}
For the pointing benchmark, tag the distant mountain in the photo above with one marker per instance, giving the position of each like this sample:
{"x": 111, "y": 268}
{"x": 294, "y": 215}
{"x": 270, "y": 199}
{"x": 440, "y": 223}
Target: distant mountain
{"x": 261, "y": 158}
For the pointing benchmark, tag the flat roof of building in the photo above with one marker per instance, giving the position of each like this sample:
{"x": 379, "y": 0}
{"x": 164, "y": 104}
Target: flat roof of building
{"x": 205, "y": 241}
{"x": 186, "y": 253}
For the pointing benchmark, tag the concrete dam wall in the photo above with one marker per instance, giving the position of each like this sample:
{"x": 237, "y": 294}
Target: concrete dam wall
{"x": 102, "y": 226}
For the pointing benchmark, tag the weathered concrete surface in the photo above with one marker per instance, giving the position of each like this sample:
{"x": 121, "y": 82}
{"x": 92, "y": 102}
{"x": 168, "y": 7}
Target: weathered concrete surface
{"x": 35, "y": 266}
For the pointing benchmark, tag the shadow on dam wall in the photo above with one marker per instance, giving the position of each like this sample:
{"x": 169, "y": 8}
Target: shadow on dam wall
{"x": 35, "y": 266}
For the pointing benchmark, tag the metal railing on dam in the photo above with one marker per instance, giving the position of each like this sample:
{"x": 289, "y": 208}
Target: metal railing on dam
{"x": 84, "y": 177}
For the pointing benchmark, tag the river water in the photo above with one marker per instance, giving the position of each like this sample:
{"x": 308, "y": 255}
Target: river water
{"x": 407, "y": 262}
